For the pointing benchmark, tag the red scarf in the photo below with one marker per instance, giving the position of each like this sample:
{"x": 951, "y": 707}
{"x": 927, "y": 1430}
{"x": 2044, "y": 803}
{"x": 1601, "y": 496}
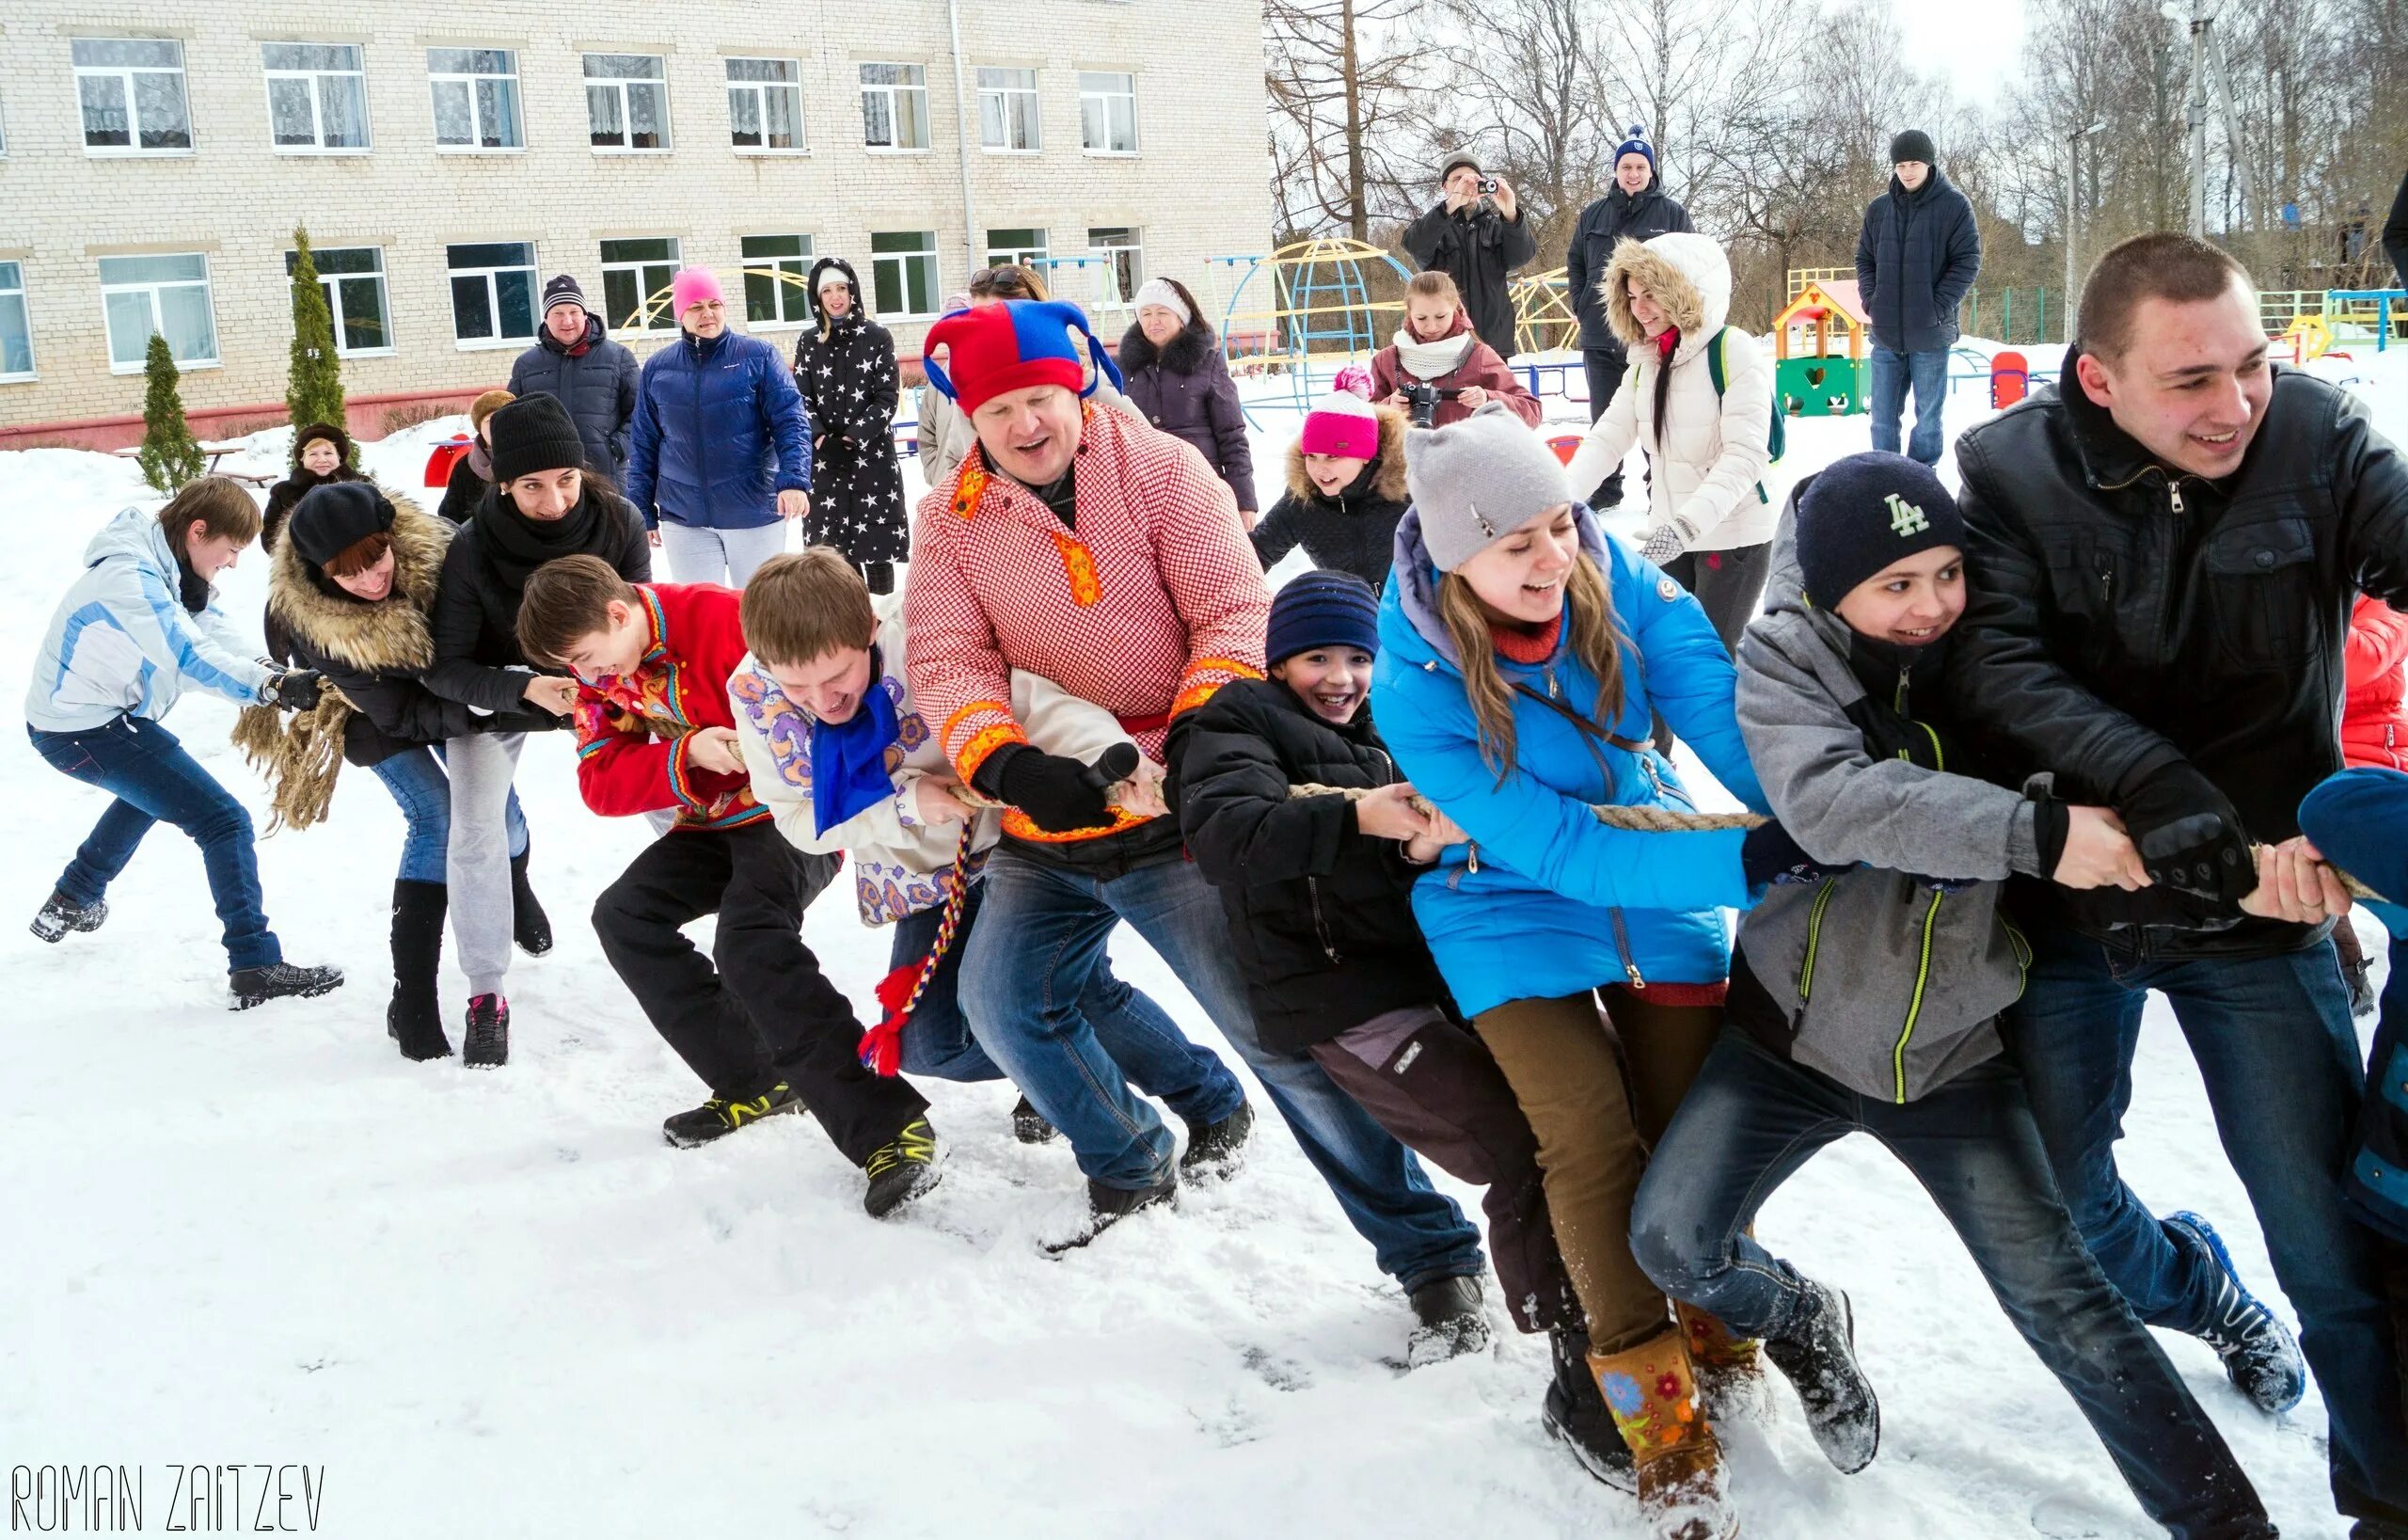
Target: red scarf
{"x": 1666, "y": 340}
{"x": 1518, "y": 645}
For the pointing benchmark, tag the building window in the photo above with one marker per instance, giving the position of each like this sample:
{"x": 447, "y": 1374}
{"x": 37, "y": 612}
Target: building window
{"x": 476, "y": 98}
{"x": 16, "y": 326}
{"x": 626, "y": 101}
{"x": 635, "y": 283}
{"x": 353, "y": 280}
{"x": 493, "y": 292}
{"x": 776, "y": 267}
{"x": 895, "y": 106}
{"x": 164, "y": 294}
{"x": 317, "y": 96}
{"x": 1026, "y": 246}
{"x": 903, "y": 274}
{"x": 1123, "y": 266}
{"x": 765, "y": 104}
{"x": 133, "y": 94}
{"x": 1108, "y": 113}
{"x": 1008, "y": 110}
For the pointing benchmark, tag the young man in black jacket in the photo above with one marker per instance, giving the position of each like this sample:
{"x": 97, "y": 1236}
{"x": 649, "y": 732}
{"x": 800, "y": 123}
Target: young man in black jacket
{"x": 1477, "y": 236}
{"x": 1636, "y": 209}
{"x": 1919, "y": 252}
{"x": 2164, "y": 550}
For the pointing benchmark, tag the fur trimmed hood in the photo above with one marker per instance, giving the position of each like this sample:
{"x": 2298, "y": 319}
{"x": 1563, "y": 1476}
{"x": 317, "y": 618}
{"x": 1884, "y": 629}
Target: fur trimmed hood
{"x": 1387, "y": 466}
{"x": 1688, "y": 275}
{"x": 388, "y": 634}
{"x": 1184, "y": 356}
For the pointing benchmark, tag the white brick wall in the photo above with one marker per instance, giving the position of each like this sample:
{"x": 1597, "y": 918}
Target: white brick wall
{"x": 1199, "y": 187}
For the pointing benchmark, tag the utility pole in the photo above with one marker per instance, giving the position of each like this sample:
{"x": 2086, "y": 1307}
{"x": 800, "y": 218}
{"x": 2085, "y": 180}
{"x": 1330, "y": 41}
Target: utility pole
{"x": 2195, "y": 107}
{"x": 2073, "y": 218}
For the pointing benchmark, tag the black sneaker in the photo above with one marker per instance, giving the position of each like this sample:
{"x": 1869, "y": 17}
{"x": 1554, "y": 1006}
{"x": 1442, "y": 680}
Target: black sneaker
{"x": 1449, "y": 1321}
{"x": 720, "y": 1115}
{"x": 280, "y": 980}
{"x": 2260, "y": 1355}
{"x": 488, "y": 1044}
{"x": 1105, "y": 1207}
{"x": 1217, "y": 1150}
{"x": 1029, "y": 1125}
{"x": 62, "y": 914}
{"x": 902, "y": 1171}
{"x": 1575, "y": 1411}
{"x": 1819, "y": 1356}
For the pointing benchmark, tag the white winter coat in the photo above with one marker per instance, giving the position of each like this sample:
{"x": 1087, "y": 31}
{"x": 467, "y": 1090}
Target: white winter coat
{"x": 1708, "y": 455}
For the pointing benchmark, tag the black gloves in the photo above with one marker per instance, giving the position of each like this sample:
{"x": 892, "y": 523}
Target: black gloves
{"x": 2190, "y": 837}
{"x": 1769, "y": 856}
{"x": 2051, "y": 824}
{"x": 1059, "y": 794}
{"x": 298, "y": 691}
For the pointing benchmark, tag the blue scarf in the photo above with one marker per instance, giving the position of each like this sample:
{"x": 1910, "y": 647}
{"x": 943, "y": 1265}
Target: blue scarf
{"x": 849, "y": 758}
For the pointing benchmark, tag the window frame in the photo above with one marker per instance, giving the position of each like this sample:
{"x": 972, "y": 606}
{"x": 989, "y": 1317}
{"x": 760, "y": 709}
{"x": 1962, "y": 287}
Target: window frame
{"x": 124, "y": 75}
{"x": 1034, "y": 257}
{"x": 781, "y": 290}
{"x": 621, "y": 84}
{"x": 1005, "y": 93}
{"x": 25, "y": 302}
{"x": 894, "y": 117}
{"x": 208, "y": 286}
{"x": 332, "y": 283}
{"x": 1137, "y": 140}
{"x": 760, "y": 91}
{"x": 493, "y": 297}
{"x": 316, "y": 78}
{"x": 877, "y": 261}
{"x": 517, "y": 101}
{"x": 1107, "y": 254}
{"x": 667, "y": 322}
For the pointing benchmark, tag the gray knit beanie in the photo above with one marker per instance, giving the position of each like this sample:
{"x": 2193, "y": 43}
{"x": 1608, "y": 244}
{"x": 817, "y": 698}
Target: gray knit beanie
{"x": 1477, "y": 480}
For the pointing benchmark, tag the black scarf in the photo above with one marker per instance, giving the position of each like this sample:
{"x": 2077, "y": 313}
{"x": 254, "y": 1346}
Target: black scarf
{"x": 192, "y": 589}
{"x": 515, "y": 544}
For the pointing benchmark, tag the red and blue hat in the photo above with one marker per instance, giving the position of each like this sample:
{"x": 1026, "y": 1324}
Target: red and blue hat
{"x": 1010, "y": 347}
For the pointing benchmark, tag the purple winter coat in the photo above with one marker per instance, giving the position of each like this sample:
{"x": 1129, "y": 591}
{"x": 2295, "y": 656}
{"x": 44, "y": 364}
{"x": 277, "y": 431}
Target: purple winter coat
{"x": 1185, "y": 390}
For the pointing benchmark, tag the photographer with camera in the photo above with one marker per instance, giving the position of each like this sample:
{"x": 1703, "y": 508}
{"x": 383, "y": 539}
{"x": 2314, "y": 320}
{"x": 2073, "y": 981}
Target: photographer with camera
{"x": 1477, "y": 236}
{"x": 1438, "y": 371}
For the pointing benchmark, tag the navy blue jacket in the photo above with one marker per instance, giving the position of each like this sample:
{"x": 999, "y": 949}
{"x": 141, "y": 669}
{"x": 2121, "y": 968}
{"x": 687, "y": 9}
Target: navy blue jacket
{"x": 2356, "y": 819}
{"x": 719, "y": 432}
{"x": 1604, "y": 225}
{"x": 597, "y": 385}
{"x": 1918, "y": 255}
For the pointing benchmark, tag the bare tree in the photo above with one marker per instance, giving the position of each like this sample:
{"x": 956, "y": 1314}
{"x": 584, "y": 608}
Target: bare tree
{"x": 1341, "y": 76}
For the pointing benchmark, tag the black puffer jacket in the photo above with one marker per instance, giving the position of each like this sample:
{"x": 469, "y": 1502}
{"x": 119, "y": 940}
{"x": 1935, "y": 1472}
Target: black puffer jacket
{"x": 1185, "y": 390}
{"x": 1478, "y": 247}
{"x": 1353, "y": 531}
{"x": 1617, "y": 216}
{"x": 1321, "y": 916}
{"x": 844, "y": 369}
{"x": 475, "y": 623}
{"x": 596, "y": 382}
{"x": 2123, "y": 620}
{"x": 1917, "y": 255}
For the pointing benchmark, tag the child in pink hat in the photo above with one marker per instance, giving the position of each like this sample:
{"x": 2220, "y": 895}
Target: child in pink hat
{"x": 1345, "y": 485}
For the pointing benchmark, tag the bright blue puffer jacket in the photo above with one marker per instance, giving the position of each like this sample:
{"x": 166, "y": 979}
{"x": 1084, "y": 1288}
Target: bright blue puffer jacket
{"x": 719, "y": 432}
{"x": 1548, "y": 901}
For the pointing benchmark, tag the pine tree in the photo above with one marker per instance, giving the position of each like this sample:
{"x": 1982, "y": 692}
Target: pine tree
{"x": 313, "y": 391}
{"x": 170, "y": 456}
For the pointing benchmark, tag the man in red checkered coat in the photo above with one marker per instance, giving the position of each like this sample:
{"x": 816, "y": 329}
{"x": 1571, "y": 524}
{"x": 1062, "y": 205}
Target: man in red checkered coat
{"x": 1107, "y": 557}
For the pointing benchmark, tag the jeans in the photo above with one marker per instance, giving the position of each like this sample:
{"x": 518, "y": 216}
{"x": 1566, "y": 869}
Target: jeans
{"x": 699, "y": 554}
{"x": 154, "y": 780}
{"x": 1751, "y": 1120}
{"x": 1029, "y": 962}
{"x": 476, "y": 854}
{"x": 1891, "y": 373}
{"x": 1139, "y": 1034}
{"x": 2274, "y": 1043}
{"x": 423, "y": 790}
{"x": 1605, "y": 367}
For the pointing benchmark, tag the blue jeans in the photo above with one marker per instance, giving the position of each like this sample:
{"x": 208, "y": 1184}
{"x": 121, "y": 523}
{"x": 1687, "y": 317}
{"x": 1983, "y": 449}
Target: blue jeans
{"x": 1033, "y": 956}
{"x": 155, "y": 781}
{"x": 1750, "y": 1121}
{"x": 2274, "y": 1043}
{"x": 423, "y": 791}
{"x": 1892, "y": 372}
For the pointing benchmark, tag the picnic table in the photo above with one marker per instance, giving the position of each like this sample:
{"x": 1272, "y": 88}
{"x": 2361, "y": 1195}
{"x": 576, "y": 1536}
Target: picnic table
{"x": 217, "y": 452}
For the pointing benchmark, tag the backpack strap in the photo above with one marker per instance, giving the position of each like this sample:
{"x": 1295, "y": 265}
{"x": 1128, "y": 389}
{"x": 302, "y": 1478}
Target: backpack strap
{"x": 1719, "y": 371}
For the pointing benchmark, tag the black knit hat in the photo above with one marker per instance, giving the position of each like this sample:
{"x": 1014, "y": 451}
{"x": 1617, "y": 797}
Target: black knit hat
{"x": 532, "y": 433}
{"x": 1323, "y": 608}
{"x": 1913, "y": 145}
{"x": 1860, "y": 513}
{"x": 563, "y": 289}
{"x": 330, "y": 519}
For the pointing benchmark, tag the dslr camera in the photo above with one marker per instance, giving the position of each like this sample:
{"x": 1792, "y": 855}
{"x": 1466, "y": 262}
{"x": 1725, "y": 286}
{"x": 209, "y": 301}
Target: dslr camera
{"x": 1421, "y": 400}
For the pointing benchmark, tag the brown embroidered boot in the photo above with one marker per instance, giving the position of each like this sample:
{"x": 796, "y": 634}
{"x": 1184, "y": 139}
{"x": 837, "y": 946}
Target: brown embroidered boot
{"x": 1652, "y": 1393}
{"x": 1731, "y": 1381}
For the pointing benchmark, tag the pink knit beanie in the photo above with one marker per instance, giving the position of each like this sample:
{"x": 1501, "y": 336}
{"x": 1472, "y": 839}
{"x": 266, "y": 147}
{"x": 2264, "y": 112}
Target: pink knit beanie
{"x": 1344, "y": 424}
{"x": 692, "y": 286}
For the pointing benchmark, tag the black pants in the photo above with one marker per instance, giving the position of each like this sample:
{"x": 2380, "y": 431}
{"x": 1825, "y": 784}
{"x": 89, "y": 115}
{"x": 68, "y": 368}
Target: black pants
{"x": 757, "y": 1010}
{"x": 880, "y": 575}
{"x": 1730, "y": 584}
{"x": 1605, "y": 367}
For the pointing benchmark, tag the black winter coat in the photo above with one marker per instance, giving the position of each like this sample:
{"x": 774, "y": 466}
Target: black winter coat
{"x": 1478, "y": 248}
{"x": 1355, "y": 530}
{"x": 2122, "y": 619}
{"x": 1321, "y": 916}
{"x": 1615, "y": 217}
{"x": 475, "y": 623}
{"x": 1185, "y": 390}
{"x": 849, "y": 387}
{"x": 462, "y": 493}
{"x": 1918, "y": 254}
{"x": 598, "y": 387}
{"x": 2395, "y": 233}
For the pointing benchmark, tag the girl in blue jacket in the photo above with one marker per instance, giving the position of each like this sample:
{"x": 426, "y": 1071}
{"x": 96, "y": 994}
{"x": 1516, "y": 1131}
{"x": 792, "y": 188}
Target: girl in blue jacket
{"x": 1523, "y": 657}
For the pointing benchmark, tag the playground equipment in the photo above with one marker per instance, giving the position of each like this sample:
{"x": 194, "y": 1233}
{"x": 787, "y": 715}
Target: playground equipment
{"x": 1822, "y": 383}
{"x": 443, "y": 457}
{"x": 2309, "y": 336}
{"x": 2010, "y": 378}
{"x": 1544, "y": 320}
{"x": 1306, "y": 306}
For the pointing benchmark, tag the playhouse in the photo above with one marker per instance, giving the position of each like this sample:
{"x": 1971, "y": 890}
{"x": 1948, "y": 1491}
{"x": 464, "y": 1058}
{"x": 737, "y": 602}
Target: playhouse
{"x": 1814, "y": 376}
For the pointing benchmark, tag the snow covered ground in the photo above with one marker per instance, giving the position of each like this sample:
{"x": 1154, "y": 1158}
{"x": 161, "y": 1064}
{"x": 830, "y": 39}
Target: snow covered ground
{"x": 498, "y": 1305}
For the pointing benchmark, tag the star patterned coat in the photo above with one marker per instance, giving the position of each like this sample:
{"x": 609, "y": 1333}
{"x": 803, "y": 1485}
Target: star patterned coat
{"x": 845, "y": 367}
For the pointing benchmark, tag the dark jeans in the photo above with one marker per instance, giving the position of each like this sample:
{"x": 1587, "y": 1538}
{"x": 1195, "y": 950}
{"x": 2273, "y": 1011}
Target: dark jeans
{"x": 1751, "y": 1120}
{"x": 1729, "y": 585}
{"x": 1891, "y": 373}
{"x": 757, "y": 1010}
{"x": 155, "y": 782}
{"x": 2274, "y": 1043}
{"x": 1605, "y": 367}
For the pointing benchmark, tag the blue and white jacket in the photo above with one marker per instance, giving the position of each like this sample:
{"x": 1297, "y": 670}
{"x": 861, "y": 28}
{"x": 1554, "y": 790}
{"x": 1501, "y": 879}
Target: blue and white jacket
{"x": 122, "y": 643}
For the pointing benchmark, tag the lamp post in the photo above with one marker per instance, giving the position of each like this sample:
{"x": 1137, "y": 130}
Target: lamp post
{"x": 2073, "y": 214}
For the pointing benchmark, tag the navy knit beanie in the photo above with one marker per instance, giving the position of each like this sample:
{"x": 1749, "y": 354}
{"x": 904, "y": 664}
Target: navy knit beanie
{"x": 1636, "y": 145}
{"x": 1323, "y": 609}
{"x": 1860, "y": 514}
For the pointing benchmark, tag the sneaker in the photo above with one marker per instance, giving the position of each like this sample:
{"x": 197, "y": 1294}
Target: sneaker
{"x": 1029, "y": 1125}
{"x": 1217, "y": 1150}
{"x": 902, "y": 1171}
{"x": 279, "y": 980}
{"x": 720, "y": 1116}
{"x": 1449, "y": 1321}
{"x": 1575, "y": 1411}
{"x": 62, "y": 914}
{"x": 2260, "y": 1355}
{"x": 1067, "y": 1230}
{"x": 1818, "y": 1354}
{"x": 488, "y": 1044}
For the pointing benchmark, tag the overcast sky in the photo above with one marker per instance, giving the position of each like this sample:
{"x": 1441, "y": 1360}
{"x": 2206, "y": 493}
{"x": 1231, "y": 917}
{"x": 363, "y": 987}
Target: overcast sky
{"x": 1976, "y": 45}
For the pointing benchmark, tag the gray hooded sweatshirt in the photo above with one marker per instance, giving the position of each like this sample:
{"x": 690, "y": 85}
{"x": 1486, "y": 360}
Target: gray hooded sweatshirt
{"x": 1892, "y": 985}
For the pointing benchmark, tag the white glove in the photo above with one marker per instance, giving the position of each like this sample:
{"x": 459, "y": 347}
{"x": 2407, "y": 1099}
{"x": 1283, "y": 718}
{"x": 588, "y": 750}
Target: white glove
{"x": 1661, "y": 543}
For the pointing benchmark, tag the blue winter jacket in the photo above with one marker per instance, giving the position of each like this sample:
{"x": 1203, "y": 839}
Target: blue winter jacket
{"x": 719, "y": 432}
{"x": 1548, "y": 901}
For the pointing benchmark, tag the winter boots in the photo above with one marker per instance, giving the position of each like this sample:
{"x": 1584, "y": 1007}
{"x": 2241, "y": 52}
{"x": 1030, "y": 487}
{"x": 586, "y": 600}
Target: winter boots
{"x": 2260, "y": 1355}
{"x": 1029, "y": 1125}
{"x": 1730, "y": 1370}
{"x": 1575, "y": 1412}
{"x": 720, "y": 1115}
{"x": 901, "y": 1170}
{"x": 1818, "y": 1354}
{"x": 1651, "y": 1394}
{"x": 1105, "y": 1207}
{"x": 62, "y": 914}
{"x": 415, "y": 1019}
{"x": 529, "y": 926}
{"x": 249, "y": 987}
{"x": 1217, "y": 1150}
{"x": 1448, "y": 1320}
{"x": 486, "y": 1045}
